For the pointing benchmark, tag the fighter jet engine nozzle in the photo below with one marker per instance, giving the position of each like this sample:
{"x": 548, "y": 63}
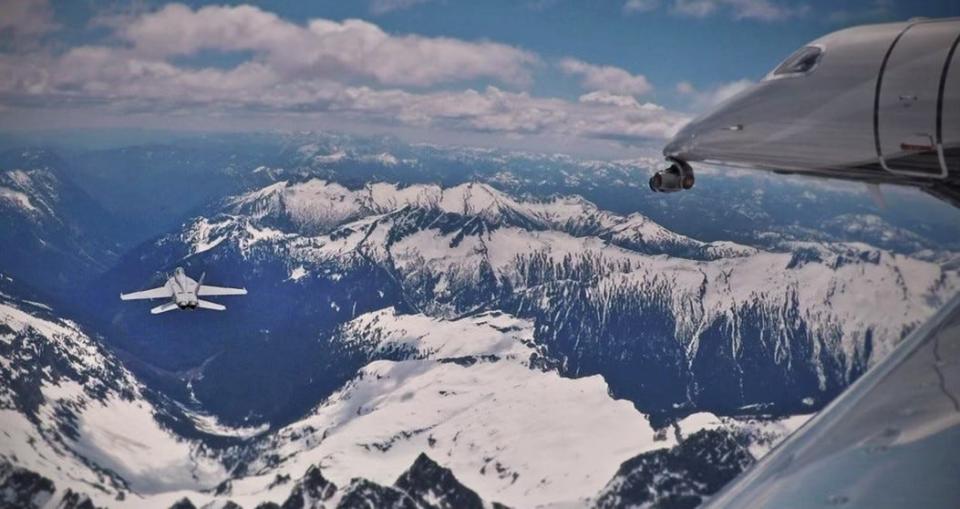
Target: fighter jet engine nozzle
{"x": 678, "y": 177}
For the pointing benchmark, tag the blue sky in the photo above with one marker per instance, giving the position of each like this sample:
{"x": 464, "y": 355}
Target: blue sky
{"x": 608, "y": 74}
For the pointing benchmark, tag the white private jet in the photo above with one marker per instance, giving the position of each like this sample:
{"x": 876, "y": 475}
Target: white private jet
{"x": 184, "y": 293}
{"x": 878, "y": 104}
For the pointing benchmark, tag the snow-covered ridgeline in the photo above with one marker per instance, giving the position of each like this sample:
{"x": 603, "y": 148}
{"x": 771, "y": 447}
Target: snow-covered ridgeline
{"x": 71, "y": 413}
{"x": 30, "y": 194}
{"x": 319, "y": 206}
{"x": 853, "y": 301}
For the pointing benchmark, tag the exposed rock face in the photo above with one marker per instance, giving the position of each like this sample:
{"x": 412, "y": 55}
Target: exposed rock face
{"x": 23, "y": 489}
{"x": 680, "y": 477}
{"x": 435, "y": 487}
{"x": 361, "y": 494}
{"x": 183, "y": 503}
{"x": 313, "y": 490}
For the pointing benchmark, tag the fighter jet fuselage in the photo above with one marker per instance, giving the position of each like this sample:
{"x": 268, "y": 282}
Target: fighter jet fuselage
{"x": 877, "y": 103}
{"x": 184, "y": 290}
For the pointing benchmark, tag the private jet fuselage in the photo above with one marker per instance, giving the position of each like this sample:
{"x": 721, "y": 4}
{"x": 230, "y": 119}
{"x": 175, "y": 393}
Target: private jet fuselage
{"x": 184, "y": 293}
{"x": 877, "y": 103}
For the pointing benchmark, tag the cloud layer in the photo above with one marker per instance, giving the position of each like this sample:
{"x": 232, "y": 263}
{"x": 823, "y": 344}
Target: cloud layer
{"x": 323, "y": 48}
{"x": 759, "y": 10}
{"x": 159, "y": 63}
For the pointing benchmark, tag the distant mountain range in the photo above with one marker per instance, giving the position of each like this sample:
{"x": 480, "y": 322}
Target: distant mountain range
{"x": 663, "y": 317}
{"x": 426, "y": 326}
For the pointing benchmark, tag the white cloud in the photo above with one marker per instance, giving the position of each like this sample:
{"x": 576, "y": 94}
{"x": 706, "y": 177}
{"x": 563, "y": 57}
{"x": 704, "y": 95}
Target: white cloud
{"x": 635, "y": 6}
{"x": 325, "y": 49}
{"x": 704, "y": 99}
{"x": 602, "y": 97}
{"x": 384, "y": 6}
{"x": 878, "y": 10}
{"x": 685, "y": 88}
{"x": 606, "y": 78}
{"x": 350, "y": 71}
{"x": 595, "y": 116}
{"x": 122, "y": 81}
{"x": 695, "y": 8}
{"x": 761, "y": 10}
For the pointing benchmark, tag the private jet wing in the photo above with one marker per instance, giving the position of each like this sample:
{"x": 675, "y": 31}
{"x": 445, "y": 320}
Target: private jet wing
{"x": 162, "y": 292}
{"x": 890, "y": 440}
{"x": 209, "y": 291}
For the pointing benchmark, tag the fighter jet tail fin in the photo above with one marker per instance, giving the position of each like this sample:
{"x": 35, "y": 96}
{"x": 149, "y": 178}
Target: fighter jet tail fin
{"x": 163, "y": 308}
{"x": 213, "y": 306}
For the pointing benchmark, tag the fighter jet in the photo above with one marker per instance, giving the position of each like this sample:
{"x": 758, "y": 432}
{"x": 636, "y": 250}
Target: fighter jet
{"x": 184, "y": 293}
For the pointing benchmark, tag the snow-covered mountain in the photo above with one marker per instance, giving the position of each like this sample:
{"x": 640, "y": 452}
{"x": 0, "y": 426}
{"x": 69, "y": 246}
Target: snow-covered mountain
{"x": 318, "y": 206}
{"x": 72, "y": 414}
{"x": 441, "y": 346}
{"x": 472, "y": 393}
{"x": 672, "y": 323}
{"x": 476, "y": 393}
{"x": 46, "y": 221}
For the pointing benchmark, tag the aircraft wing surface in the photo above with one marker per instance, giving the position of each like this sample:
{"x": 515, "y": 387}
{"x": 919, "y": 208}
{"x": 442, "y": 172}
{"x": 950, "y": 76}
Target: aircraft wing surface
{"x": 213, "y": 306}
{"x": 208, "y": 291}
{"x": 892, "y": 439}
{"x": 162, "y": 292}
{"x": 163, "y": 308}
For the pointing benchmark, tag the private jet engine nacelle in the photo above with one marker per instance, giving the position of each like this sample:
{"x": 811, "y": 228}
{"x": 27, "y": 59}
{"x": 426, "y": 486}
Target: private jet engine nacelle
{"x": 876, "y": 103}
{"x": 678, "y": 177}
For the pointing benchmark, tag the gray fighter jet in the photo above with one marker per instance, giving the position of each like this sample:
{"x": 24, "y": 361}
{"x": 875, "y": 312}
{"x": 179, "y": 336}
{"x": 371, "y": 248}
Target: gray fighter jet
{"x": 184, "y": 293}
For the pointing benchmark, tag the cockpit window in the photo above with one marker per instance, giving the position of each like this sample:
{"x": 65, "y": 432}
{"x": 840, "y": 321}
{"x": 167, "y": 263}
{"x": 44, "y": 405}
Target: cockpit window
{"x": 804, "y": 61}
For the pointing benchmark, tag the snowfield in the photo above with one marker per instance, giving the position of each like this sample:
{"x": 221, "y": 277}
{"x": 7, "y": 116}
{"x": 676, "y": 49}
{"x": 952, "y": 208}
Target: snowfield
{"x": 472, "y": 395}
{"x": 514, "y": 433}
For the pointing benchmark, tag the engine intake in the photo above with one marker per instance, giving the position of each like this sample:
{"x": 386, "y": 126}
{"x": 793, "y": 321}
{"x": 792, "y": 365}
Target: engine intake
{"x": 678, "y": 177}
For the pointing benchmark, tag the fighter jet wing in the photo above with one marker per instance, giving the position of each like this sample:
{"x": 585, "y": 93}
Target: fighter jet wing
{"x": 207, "y": 291}
{"x": 163, "y": 308}
{"x": 162, "y": 292}
{"x": 213, "y": 306}
{"x": 890, "y": 440}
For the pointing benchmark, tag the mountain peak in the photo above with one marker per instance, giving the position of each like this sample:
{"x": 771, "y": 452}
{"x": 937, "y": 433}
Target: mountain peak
{"x": 311, "y": 490}
{"x": 434, "y": 486}
{"x": 362, "y": 493}
{"x": 474, "y": 198}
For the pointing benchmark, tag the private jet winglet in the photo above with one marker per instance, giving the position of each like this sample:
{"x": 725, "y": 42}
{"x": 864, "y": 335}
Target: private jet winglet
{"x": 184, "y": 293}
